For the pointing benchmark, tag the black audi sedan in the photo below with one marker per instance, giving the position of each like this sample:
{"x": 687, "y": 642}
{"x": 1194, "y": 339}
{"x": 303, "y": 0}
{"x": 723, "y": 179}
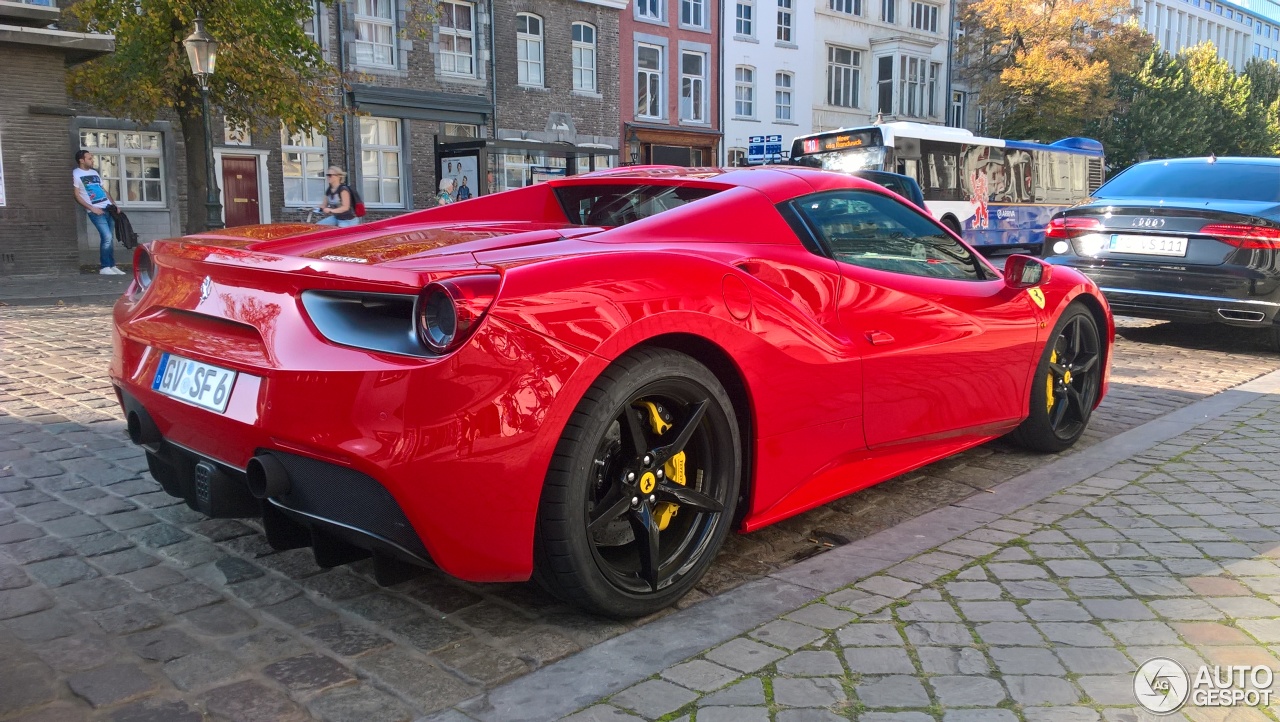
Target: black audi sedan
{"x": 1190, "y": 239}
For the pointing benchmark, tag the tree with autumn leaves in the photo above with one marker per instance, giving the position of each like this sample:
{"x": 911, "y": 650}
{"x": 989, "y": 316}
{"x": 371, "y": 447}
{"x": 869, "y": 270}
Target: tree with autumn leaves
{"x": 268, "y": 71}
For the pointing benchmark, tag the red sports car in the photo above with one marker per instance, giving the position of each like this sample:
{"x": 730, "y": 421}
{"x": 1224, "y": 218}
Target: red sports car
{"x": 592, "y": 380}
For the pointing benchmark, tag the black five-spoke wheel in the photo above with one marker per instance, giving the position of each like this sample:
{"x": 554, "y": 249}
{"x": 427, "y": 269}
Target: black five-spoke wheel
{"x": 642, "y": 488}
{"x": 1069, "y": 380}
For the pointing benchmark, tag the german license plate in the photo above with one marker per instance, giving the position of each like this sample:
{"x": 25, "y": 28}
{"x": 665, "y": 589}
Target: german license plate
{"x": 1148, "y": 245}
{"x": 203, "y": 385}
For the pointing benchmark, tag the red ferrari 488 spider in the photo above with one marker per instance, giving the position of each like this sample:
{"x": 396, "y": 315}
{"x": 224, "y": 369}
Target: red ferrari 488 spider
{"x": 590, "y": 381}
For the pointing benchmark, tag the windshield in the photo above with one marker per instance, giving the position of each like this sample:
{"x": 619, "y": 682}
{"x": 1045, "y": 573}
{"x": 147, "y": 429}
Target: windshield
{"x": 1222, "y": 180}
{"x": 619, "y": 204}
{"x": 845, "y": 161}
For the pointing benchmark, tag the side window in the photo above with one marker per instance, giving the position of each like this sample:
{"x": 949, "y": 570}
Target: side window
{"x": 867, "y": 229}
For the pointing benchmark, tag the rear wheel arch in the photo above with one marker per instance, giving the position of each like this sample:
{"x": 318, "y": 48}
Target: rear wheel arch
{"x": 950, "y": 221}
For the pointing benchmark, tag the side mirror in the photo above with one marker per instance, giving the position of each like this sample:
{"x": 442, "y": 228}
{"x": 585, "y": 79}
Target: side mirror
{"x": 1022, "y": 271}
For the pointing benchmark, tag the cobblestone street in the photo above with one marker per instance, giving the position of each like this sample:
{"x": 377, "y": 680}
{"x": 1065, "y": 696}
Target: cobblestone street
{"x": 1042, "y": 615}
{"x": 118, "y": 602}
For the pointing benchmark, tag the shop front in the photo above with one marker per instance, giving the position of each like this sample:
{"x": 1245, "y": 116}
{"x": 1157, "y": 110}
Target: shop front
{"x": 665, "y": 145}
{"x": 480, "y": 166}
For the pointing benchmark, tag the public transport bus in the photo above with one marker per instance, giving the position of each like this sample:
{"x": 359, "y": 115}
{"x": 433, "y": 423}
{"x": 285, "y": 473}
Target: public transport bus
{"x": 996, "y": 193}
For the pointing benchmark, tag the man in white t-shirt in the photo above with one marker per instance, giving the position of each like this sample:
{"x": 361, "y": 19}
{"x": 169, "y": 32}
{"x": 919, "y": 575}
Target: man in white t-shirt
{"x": 91, "y": 192}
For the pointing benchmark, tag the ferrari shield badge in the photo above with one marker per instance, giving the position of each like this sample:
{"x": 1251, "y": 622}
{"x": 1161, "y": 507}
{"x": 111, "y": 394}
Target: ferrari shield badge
{"x": 1037, "y": 296}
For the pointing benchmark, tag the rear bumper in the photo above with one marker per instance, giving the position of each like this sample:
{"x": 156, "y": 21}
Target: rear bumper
{"x": 1210, "y": 294}
{"x": 409, "y": 460}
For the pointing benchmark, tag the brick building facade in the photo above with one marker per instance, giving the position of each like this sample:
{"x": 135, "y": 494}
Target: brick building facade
{"x": 670, "y": 109}
{"x": 418, "y": 106}
{"x": 38, "y": 215}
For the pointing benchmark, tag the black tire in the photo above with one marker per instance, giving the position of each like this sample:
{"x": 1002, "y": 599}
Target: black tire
{"x": 1066, "y": 384}
{"x": 586, "y": 548}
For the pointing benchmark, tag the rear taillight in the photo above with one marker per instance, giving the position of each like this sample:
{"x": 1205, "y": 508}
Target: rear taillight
{"x": 1243, "y": 235}
{"x": 449, "y": 311}
{"x": 1064, "y": 227}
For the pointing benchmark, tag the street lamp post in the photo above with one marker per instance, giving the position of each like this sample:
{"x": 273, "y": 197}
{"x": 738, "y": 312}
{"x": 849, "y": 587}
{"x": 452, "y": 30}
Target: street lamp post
{"x": 202, "y": 51}
{"x": 633, "y": 147}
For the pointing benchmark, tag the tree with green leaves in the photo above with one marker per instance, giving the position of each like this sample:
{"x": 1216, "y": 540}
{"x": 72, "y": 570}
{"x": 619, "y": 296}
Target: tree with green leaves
{"x": 1191, "y": 104}
{"x": 268, "y": 71}
{"x": 1043, "y": 68}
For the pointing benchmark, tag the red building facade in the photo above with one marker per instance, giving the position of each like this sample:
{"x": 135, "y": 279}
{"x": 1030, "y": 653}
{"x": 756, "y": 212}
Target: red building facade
{"x": 669, "y": 56}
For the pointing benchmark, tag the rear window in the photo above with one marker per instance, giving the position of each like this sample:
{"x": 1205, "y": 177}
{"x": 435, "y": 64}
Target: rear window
{"x": 1209, "y": 181}
{"x": 618, "y": 205}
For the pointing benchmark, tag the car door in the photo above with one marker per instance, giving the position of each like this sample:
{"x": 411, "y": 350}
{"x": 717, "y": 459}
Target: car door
{"x": 947, "y": 346}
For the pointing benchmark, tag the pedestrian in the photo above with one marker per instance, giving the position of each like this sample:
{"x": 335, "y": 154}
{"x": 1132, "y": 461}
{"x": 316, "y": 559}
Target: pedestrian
{"x": 92, "y": 194}
{"x": 445, "y": 196}
{"x": 464, "y": 192}
{"x": 339, "y": 209}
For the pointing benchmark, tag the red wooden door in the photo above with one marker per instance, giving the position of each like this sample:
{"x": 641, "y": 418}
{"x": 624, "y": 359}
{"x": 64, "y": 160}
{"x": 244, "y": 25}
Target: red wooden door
{"x": 240, "y": 191}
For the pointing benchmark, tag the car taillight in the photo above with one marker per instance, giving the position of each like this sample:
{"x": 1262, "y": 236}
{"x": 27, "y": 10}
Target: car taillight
{"x": 1064, "y": 227}
{"x": 449, "y": 311}
{"x": 1244, "y": 236}
{"x": 144, "y": 270}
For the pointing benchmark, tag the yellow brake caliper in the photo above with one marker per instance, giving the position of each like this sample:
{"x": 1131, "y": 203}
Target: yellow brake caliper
{"x": 1048, "y": 382}
{"x": 674, "y": 468}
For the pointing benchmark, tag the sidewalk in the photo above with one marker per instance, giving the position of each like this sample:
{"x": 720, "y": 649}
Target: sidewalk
{"x": 1037, "y": 602}
{"x": 68, "y": 289}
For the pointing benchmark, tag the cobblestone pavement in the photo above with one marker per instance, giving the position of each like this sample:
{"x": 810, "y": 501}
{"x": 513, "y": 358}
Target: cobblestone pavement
{"x": 117, "y": 602}
{"x": 1043, "y": 615}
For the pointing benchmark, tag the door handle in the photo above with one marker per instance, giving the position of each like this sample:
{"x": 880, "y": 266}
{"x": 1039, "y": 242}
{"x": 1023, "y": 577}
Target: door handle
{"x": 879, "y": 338}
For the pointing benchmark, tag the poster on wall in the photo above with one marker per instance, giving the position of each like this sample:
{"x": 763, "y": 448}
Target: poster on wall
{"x": 462, "y": 170}
{"x": 2, "y": 202}
{"x": 544, "y": 173}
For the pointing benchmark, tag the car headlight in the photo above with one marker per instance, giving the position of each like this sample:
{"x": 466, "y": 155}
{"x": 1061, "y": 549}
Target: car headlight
{"x": 144, "y": 269}
{"x": 449, "y": 311}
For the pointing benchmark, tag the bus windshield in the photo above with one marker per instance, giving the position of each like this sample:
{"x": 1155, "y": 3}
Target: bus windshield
{"x": 846, "y": 161}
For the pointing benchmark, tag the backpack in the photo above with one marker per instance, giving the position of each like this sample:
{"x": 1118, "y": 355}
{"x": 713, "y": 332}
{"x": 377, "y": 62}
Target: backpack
{"x": 357, "y": 205}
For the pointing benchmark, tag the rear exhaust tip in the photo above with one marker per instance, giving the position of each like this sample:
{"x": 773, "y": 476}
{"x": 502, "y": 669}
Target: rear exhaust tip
{"x": 267, "y": 477}
{"x": 1231, "y": 314}
{"x": 142, "y": 430}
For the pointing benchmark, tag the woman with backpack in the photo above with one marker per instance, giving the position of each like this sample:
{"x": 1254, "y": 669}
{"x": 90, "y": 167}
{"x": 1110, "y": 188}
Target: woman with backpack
{"x": 341, "y": 203}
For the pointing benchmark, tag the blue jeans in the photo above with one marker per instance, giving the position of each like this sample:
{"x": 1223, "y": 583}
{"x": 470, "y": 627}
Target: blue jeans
{"x": 106, "y": 253}
{"x": 334, "y": 221}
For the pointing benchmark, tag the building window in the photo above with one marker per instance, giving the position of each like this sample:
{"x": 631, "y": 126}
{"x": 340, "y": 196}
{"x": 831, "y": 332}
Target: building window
{"x": 911, "y": 93}
{"x": 584, "y": 57}
{"x": 924, "y": 17}
{"x": 884, "y": 84}
{"x": 852, "y": 7}
{"x": 842, "y": 76}
{"x": 462, "y": 130}
{"x": 957, "y": 109}
{"x": 311, "y": 26}
{"x": 693, "y": 87}
{"x": 745, "y": 15}
{"x": 375, "y": 43}
{"x": 935, "y": 69}
{"x": 744, "y": 92}
{"x": 132, "y": 161}
{"x": 785, "y": 19}
{"x": 736, "y": 158}
{"x": 529, "y": 49}
{"x": 380, "y": 167}
{"x": 457, "y": 38}
{"x": 235, "y": 134}
{"x": 889, "y": 11}
{"x": 783, "y": 83}
{"x": 303, "y": 158}
{"x": 693, "y": 13}
{"x": 648, "y": 81}
{"x": 650, "y": 9}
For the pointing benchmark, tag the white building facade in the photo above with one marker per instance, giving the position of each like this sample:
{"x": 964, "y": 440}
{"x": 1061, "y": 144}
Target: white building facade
{"x": 1240, "y": 32}
{"x": 793, "y": 67}
{"x": 768, "y": 91}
